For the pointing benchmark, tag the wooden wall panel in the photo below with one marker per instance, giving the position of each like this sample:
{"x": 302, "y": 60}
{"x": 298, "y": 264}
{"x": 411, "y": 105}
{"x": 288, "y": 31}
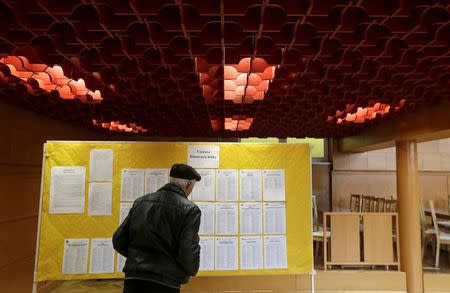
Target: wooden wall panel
{"x": 435, "y": 187}
{"x": 17, "y": 277}
{"x": 17, "y": 183}
{"x": 321, "y": 185}
{"x": 17, "y": 240}
{"x": 345, "y": 242}
{"x": 378, "y": 241}
{"x": 21, "y": 144}
{"x": 373, "y": 173}
{"x": 344, "y": 183}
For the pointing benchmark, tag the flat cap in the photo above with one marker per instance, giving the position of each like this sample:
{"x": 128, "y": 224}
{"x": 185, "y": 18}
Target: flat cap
{"x": 184, "y": 171}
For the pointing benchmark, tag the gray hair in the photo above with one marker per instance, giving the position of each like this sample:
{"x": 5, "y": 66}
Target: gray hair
{"x": 183, "y": 183}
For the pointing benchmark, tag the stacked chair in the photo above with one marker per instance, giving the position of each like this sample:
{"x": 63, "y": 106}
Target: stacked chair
{"x": 371, "y": 204}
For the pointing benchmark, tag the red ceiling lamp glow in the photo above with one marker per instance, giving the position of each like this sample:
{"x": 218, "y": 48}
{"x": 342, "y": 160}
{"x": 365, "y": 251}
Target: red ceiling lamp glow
{"x": 237, "y": 124}
{"x": 118, "y": 127}
{"x": 362, "y": 114}
{"x": 243, "y": 83}
{"x": 51, "y": 79}
{"x": 247, "y": 81}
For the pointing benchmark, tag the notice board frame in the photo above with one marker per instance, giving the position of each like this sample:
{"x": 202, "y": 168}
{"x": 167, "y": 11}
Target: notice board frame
{"x": 43, "y": 177}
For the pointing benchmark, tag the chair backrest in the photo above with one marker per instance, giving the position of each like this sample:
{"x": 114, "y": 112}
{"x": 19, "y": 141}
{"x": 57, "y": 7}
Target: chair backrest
{"x": 315, "y": 214}
{"x": 380, "y": 205}
{"x": 373, "y": 204}
{"x": 366, "y": 202}
{"x": 390, "y": 205}
{"x": 433, "y": 216}
{"x": 423, "y": 219}
{"x": 355, "y": 202}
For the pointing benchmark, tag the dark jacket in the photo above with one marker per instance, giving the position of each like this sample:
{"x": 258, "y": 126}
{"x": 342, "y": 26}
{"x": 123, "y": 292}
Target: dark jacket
{"x": 160, "y": 239}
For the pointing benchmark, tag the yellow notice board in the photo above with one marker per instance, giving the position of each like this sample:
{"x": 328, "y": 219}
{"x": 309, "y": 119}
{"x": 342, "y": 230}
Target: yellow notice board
{"x": 54, "y": 228}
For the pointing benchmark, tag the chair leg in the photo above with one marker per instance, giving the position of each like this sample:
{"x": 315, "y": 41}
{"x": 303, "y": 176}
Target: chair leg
{"x": 438, "y": 251}
{"x": 316, "y": 250}
{"x": 448, "y": 249}
{"x": 424, "y": 243}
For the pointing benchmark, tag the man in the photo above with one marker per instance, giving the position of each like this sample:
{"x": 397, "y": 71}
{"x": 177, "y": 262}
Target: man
{"x": 159, "y": 237}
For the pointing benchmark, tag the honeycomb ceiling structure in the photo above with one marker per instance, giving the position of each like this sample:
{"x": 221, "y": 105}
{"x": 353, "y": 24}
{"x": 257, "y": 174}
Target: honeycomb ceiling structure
{"x": 224, "y": 68}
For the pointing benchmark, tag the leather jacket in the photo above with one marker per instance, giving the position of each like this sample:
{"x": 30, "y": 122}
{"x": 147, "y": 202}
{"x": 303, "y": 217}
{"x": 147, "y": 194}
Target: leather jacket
{"x": 159, "y": 238}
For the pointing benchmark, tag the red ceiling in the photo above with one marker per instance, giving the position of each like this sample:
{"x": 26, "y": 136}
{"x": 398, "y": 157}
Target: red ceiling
{"x": 334, "y": 60}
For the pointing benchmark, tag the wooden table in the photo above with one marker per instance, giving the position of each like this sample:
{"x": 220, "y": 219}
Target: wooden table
{"x": 444, "y": 215}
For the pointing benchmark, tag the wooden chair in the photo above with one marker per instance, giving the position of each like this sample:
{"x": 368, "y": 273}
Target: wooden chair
{"x": 427, "y": 232}
{"x": 366, "y": 203}
{"x": 390, "y": 205}
{"x": 315, "y": 214}
{"x": 317, "y": 229}
{"x": 441, "y": 237}
{"x": 374, "y": 204}
{"x": 379, "y": 205}
{"x": 355, "y": 202}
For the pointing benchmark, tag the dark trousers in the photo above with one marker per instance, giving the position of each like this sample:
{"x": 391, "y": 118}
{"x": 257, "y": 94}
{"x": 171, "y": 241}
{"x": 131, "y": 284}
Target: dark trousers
{"x": 141, "y": 286}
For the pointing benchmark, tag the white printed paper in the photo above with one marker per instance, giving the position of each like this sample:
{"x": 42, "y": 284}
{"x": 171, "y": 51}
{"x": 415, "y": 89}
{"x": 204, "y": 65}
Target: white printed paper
{"x": 226, "y": 218}
{"x": 203, "y": 156}
{"x": 206, "y": 254}
{"x": 251, "y": 252}
{"x": 100, "y": 199}
{"x": 227, "y": 185}
{"x": 275, "y": 253}
{"x": 132, "y": 185}
{"x": 75, "y": 259}
{"x": 101, "y": 165}
{"x": 207, "y": 219}
{"x": 250, "y": 185}
{"x": 251, "y": 218}
{"x": 226, "y": 253}
{"x": 120, "y": 262}
{"x": 274, "y": 185}
{"x": 155, "y": 179}
{"x": 125, "y": 208}
{"x": 102, "y": 256}
{"x": 67, "y": 187}
{"x": 274, "y": 218}
{"x": 204, "y": 189}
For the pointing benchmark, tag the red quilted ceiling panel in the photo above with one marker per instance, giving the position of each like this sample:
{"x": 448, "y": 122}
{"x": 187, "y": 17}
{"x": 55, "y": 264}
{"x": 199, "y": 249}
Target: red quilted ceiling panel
{"x": 209, "y": 68}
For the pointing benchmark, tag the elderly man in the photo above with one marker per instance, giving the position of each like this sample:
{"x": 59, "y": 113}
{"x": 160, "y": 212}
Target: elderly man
{"x": 159, "y": 237}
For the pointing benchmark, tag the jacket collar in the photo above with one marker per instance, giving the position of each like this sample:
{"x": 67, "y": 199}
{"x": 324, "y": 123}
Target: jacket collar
{"x": 174, "y": 188}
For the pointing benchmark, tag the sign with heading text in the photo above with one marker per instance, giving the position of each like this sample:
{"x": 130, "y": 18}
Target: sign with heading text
{"x": 200, "y": 156}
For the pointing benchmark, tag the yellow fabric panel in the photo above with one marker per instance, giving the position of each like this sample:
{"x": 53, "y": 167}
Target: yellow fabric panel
{"x": 293, "y": 158}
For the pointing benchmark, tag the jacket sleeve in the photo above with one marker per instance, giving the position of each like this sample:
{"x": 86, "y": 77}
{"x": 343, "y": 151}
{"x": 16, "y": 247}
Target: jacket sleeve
{"x": 189, "y": 247}
{"x": 121, "y": 236}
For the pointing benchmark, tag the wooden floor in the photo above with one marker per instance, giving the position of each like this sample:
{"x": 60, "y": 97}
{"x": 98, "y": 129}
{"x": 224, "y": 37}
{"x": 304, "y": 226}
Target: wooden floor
{"x": 336, "y": 281}
{"x": 326, "y": 282}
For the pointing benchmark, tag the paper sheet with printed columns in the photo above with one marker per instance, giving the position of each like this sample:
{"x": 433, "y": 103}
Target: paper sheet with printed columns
{"x": 294, "y": 159}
